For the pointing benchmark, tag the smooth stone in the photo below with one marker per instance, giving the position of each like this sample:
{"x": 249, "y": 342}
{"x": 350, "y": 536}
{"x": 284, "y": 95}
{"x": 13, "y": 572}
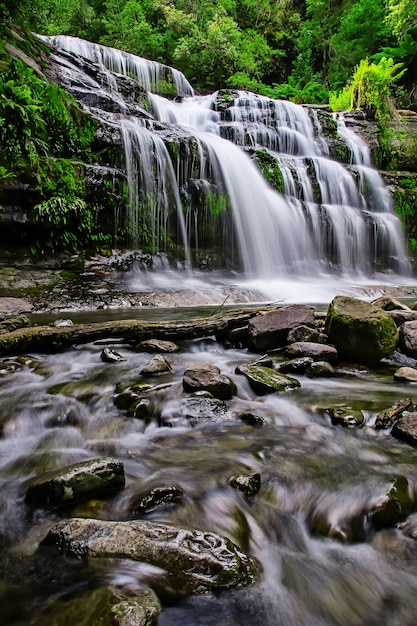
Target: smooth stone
{"x": 406, "y": 374}
{"x": 320, "y": 369}
{"x": 207, "y": 377}
{"x": 388, "y": 303}
{"x": 408, "y": 338}
{"x": 270, "y": 330}
{"x": 157, "y": 365}
{"x": 157, "y": 345}
{"x": 316, "y": 351}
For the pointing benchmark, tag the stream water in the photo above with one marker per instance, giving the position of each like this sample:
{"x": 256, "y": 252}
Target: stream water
{"x": 59, "y": 410}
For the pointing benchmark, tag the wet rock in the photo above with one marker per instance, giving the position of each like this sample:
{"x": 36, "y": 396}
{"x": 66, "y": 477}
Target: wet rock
{"x": 320, "y": 369}
{"x": 408, "y": 338}
{"x": 100, "y": 607}
{"x": 345, "y": 416}
{"x": 76, "y": 483}
{"x": 13, "y": 323}
{"x": 156, "y": 498}
{"x": 157, "y": 346}
{"x": 252, "y": 419}
{"x": 194, "y": 411}
{"x": 111, "y": 356}
{"x": 386, "y": 418}
{"x": 405, "y": 428}
{"x": 388, "y": 303}
{"x": 265, "y": 380}
{"x": 361, "y": 332}
{"x": 400, "y": 317}
{"x": 295, "y": 366}
{"x": 406, "y": 375}
{"x": 316, "y": 351}
{"x": 157, "y": 365}
{"x": 397, "y": 503}
{"x": 305, "y": 333}
{"x": 207, "y": 377}
{"x": 196, "y": 560}
{"x": 249, "y": 484}
{"x": 270, "y": 330}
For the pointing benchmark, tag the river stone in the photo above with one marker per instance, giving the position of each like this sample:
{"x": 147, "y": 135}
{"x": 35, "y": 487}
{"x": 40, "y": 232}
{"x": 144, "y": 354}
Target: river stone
{"x": 320, "y": 369}
{"x": 408, "y": 338}
{"x": 111, "y": 356}
{"x": 194, "y": 411}
{"x": 400, "y": 317}
{"x": 316, "y": 351}
{"x": 305, "y": 333}
{"x": 388, "y": 303}
{"x": 295, "y": 366}
{"x": 270, "y": 330}
{"x": 387, "y": 417}
{"x": 157, "y": 365}
{"x": 249, "y": 484}
{"x": 397, "y": 503}
{"x": 207, "y": 377}
{"x": 345, "y": 416}
{"x": 13, "y": 323}
{"x": 361, "y": 332}
{"x": 252, "y": 419}
{"x": 197, "y": 560}
{"x": 101, "y": 607}
{"x": 405, "y": 428}
{"x": 406, "y": 374}
{"x": 265, "y": 380}
{"x": 156, "y": 498}
{"x": 76, "y": 483}
{"x": 157, "y": 345}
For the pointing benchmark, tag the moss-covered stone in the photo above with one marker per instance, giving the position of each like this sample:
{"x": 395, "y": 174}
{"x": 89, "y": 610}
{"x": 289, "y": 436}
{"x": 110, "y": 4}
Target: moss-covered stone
{"x": 266, "y": 380}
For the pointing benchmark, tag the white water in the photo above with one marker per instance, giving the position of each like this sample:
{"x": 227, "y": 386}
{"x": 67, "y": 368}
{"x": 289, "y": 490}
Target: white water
{"x": 334, "y": 223}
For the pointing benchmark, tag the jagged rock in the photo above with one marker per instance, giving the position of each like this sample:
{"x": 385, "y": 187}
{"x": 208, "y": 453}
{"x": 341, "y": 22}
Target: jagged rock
{"x": 406, "y": 374}
{"x": 295, "y": 366}
{"x": 305, "y": 333}
{"x": 97, "y": 607}
{"x": 13, "y": 323}
{"x": 408, "y": 338}
{"x": 249, "y": 484}
{"x": 405, "y": 428}
{"x": 111, "y": 356}
{"x": 207, "y": 377}
{"x": 386, "y": 418}
{"x": 397, "y": 503}
{"x": 316, "y": 351}
{"x": 76, "y": 483}
{"x": 157, "y": 365}
{"x": 265, "y": 380}
{"x": 157, "y": 346}
{"x": 196, "y": 560}
{"x": 360, "y": 331}
{"x": 270, "y": 330}
{"x": 320, "y": 369}
{"x": 194, "y": 411}
{"x": 252, "y": 419}
{"x": 388, "y": 303}
{"x": 156, "y": 498}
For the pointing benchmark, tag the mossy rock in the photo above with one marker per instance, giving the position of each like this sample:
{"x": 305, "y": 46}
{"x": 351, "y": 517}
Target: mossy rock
{"x": 265, "y": 380}
{"x": 361, "y": 332}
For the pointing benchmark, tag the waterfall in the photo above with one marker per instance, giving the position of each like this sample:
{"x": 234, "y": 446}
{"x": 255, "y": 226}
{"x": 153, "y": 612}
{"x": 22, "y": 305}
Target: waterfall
{"x": 192, "y": 176}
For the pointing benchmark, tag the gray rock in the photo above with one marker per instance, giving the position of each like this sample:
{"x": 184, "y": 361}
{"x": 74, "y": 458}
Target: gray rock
{"x": 316, "y": 351}
{"x": 157, "y": 365}
{"x": 13, "y": 323}
{"x": 249, "y": 484}
{"x": 388, "y": 303}
{"x": 386, "y": 418}
{"x": 320, "y": 369}
{"x": 157, "y": 346}
{"x": 408, "y": 338}
{"x": 305, "y": 333}
{"x": 270, "y": 330}
{"x": 76, "y": 483}
{"x": 361, "y": 332}
{"x": 196, "y": 560}
{"x": 207, "y": 377}
{"x": 111, "y": 356}
{"x": 406, "y": 374}
{"x": 265, "y": 380}
{"x": 295, "y": 366}
{"x": 400, "y": 317}
{"x": 397, "y": 503}
{"x": 405, "y": 428}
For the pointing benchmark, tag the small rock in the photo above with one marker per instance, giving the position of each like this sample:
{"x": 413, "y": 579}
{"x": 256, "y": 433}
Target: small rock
{"x": 405, "y": 428}
{"x": 157, "y": 498}
{"x": 110, "y": 356}
{"x": 386, "y": 418}
{"x": 207, "y": 377}
{"x": 320, "y": 369}
{"x": 266, "y": 380}
{"x": 406, "y": 374}
{"x": 157, "y": 346}
{"x": 316, "y": 351}
{"x": 157, "y": 365}
{"x": 252, "y": 419}
{"x": 388, "y": 303}
{"x": 295, "y": 366}
{"x": 249, "y": 484}
{"x": 396, "y": 505}
{"x": 345, "y": 416}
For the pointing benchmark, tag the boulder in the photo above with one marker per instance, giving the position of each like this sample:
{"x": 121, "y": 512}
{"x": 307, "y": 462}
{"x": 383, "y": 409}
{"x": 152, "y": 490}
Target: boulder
{"x": 266, "y": 380}
{"x": 361, "y": 332}
{"x": 406, "y": 375}
{"x": 400, "y": 317}
{"x": 388, "y": 303}
{"x": 156, "y": 498}
{"x": 387, "y": 417}
{"x": 270, "y": 330}
{"x": 249, "y": 484}
{"x": 76, "y": 483}
{"x": 408, "y": 338}
{"x": 396, "y": 504}
{"x": 405, "y": 428}
{"x": 315, "y": 351}
{"x": 207, "y": 377}
{"x": 305, "y": 333}
{"x": 157, "y": 365}
{"x": 196, "y": 560}
{"x": 157, "y": 346}
{"x": 320, "y": 369}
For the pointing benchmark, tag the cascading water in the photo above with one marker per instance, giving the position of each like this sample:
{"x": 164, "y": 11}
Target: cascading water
{"x": 192, "y": 179}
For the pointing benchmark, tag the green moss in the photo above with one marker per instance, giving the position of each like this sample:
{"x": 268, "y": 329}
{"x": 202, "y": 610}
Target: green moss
{"x": 269, "y": 167}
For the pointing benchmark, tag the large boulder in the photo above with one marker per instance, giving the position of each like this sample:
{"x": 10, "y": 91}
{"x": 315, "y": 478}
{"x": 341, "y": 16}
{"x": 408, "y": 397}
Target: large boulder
{"x": 270, "y": 330}
{"x": 196, "y": 560}
{"x": 77, "y": 483}
{"x": 408, "y": 338}
{"x": 207, "y": 377}
{"x": 405, "y": 428}
{"x": 361, "y": 332}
